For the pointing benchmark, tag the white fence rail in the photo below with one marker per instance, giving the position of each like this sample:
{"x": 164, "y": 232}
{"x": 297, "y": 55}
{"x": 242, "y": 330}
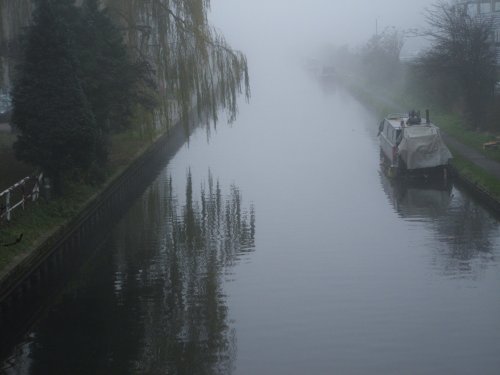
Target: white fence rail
{"x": 28, "y": 189}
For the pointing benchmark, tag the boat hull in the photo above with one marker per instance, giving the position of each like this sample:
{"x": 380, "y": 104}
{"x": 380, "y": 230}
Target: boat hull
{"x": 397, "y": 168}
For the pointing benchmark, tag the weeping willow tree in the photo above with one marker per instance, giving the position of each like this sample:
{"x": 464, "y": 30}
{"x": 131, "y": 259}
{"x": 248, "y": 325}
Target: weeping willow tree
{"x": 192, "y": 64}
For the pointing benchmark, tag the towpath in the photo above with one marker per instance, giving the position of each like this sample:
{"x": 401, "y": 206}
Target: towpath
{"x": 474, "y": 156}
{"x": 492, "y": 167}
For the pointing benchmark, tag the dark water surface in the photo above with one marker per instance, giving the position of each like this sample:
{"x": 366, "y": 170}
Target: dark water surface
{"x": 275, "y": 246}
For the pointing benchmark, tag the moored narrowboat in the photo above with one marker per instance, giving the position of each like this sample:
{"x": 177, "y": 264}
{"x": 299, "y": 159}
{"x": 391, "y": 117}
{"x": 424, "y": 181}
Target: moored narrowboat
{"x": 410, "y": 144}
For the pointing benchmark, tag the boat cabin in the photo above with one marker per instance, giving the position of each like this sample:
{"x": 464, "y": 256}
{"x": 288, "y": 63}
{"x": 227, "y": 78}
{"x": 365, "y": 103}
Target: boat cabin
{"x": 390, "y": 135}
{"x": 409, "y": 143}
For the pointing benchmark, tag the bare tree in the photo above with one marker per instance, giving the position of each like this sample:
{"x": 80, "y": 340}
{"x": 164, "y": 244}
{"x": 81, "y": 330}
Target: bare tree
{"x": 380, "y": 56}
{"x": 462, "y": 58}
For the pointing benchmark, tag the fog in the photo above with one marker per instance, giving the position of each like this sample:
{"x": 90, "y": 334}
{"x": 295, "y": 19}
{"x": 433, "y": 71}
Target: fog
{"x": 274, "y": 246}
{"x": 266, "y": 28}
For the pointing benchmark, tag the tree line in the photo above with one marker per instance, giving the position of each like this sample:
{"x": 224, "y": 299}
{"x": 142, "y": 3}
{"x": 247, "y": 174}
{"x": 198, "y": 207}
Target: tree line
{"x": 88, "y": 71}
{"x": 458, "y": 70}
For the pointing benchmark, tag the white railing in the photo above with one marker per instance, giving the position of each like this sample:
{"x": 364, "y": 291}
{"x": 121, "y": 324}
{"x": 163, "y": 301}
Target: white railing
{"x": 28, "y": 189}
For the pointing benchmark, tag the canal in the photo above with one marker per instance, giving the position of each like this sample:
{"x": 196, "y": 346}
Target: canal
{"x": 274, "y": 245}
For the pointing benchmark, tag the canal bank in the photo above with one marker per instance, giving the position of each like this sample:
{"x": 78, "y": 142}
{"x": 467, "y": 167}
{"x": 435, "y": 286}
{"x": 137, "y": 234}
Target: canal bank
{"x": 372, "y": 278}
{"x": 29, "y": 270}
{"x": 474, "y": 170}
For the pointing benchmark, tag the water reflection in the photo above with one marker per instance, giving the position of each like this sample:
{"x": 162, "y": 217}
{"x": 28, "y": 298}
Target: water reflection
{"x": 419, "y": 199}
{"x": 468, "y": 234}
{"x": 465, "y": 232}
{"x": 186, "y": 327}
{"x": 151, "y": 301}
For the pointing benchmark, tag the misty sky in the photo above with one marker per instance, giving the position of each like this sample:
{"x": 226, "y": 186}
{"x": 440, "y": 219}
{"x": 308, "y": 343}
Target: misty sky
{"x": 266, "y": 25}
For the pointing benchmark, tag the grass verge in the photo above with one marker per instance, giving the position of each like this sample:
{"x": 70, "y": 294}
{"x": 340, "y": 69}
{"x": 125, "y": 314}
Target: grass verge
{"x": 41, "y": 219}
{"x": 453, "y": 125}
{"x": 38, "y": 221}
{"x": 476, "y": 175}
{"x": 384, "y": 102}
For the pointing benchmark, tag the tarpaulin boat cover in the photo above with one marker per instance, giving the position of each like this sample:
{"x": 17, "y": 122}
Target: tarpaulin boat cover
{"x": 422, "y": 147}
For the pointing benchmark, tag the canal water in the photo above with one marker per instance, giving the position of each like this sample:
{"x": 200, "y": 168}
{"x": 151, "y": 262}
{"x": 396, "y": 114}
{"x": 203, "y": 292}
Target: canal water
{"x": 274, "y": 245}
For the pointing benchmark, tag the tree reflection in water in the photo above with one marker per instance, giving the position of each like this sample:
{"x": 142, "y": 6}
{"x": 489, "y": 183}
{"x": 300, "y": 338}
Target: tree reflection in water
{"x": 468, "y": 233}
{"x": 186, "y": 329}
{"x": 464, "y": 230}
{"x": 150, "y": 301}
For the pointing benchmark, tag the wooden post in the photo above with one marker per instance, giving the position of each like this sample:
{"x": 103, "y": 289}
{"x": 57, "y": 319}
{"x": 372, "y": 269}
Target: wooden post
{"x": 23, "y": 199}
{"x": 7, "y": 204}
{"x": 36, "y": 189}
